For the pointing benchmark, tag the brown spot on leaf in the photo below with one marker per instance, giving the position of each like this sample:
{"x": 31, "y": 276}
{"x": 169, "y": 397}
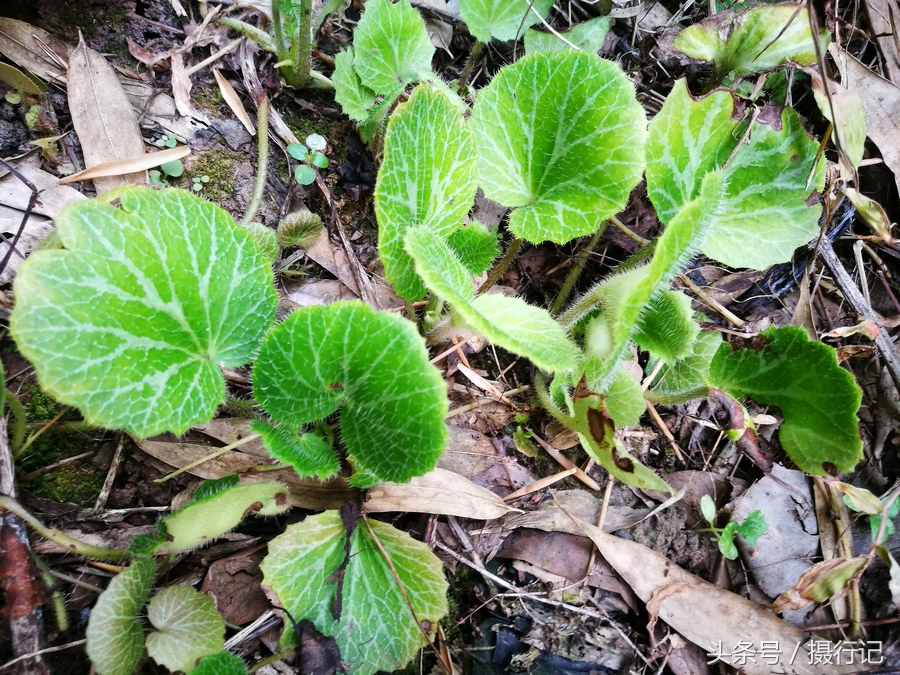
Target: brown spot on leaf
{"x": 336, "y": 385}
{"x": 624, "y": 463}
{"x": 597, "y": 422}
{"x": 426, "y": 626}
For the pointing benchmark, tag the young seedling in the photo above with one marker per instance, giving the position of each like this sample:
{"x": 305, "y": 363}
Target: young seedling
{"x": 311, "y": 157}
{"x": 753, "y": 527}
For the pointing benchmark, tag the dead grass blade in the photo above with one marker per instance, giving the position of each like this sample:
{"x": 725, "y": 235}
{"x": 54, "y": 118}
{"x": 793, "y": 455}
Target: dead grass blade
{"x": 128, "y": 166}
{"x": 103, "y": 118}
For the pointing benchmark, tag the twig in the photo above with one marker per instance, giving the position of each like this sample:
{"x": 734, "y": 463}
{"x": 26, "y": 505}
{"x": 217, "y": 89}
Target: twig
{"x": 32, "y": 201}
{"x": 214, "y": 57}
{"x": 565, "y": 462}
{"x": 572, "y": 277}
{"x": 485, "y": 401}
{"x": 100, "y": 504}
{"x": 212, "y": 455}
{"x": 55, "y": 465}
{"x": 854, "y": 297}
{"x": 711, "y": 302}
{"x": 539, "y": 484}
{"x": 259, "y": 189}
{"x": 40, "y": 652}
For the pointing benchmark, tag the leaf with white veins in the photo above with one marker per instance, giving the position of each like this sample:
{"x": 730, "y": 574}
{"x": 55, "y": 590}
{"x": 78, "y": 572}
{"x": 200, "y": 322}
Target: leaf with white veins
{"x": 188, "y": 627}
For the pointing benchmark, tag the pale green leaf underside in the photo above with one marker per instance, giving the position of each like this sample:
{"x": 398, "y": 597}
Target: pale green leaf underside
{"x": 223, "y": 663}
{"x": 588, "y": 35}
{"x": 817, "y": 397}
{"x": 476, "y": 247}
{"x": 508, "y": 322}
{"x": 501, "y": 19}
{"x": 561, "y": 136}
{"x": 130, "y": 321}
{"x": 374, "y": 368}
{"x": 667, "y": 328}
{"x": 308, "y": 454}
{"x": 751, "y": 41}
{"x": 356, "y": 100}
{"x": 763, "y": 213}
{"x": 624, "y": 398}
{"x": 115, "y": 637}
{"x": 428, "y": 177}
{"x": 391, "y": 45}
{"x": 201, "y": 521}
{"x": 376, "y": 630}
{"x": 188, "y": 627}
{"x": 690, "y": 372}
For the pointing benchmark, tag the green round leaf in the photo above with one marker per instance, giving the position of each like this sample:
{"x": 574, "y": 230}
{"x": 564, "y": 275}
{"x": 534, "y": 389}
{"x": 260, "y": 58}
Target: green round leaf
{"x": 763, "y": 212}
{"x": 319, "y": 160}
{"x": 817, "y": 397}
{"x": 305, "y": 175}
{"x": 188, "y": 627}
{"x": 132, "y": 319}
{"x": 298, "y": 151}
{"x": 428, "y": 177}
{"x": 476, "y": 246}
{"x": 561, "y": 136}
{"x": 115, "y": 637}
{"x": 173, "y": 169}
{"x": 222, "y": 663}
{"x": 375, "y": 630}
{"x": 588, "y": 35}
{"x": 316, "y": 142}
{"x": 391, "y": 45}
{"x": 355, "y": 99}
{"x": 501, "y": 19}
{"x": 374, "y": 368}
{"x": 300, "y": 228}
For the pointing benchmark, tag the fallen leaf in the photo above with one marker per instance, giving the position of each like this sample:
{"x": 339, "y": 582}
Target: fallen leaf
{"x": 438, "y": 492}
{"x": 181, "y": 86}
{"x": 234, "y": 584}
{"x": 25, "y": 44}
{"x": 128, "y": 166}
{"x": 234, "y": 101}
{"x": 873, "y": 213}
{"x": 469, "y": 453}
{"x": 554, "y": 516}
{"x": 822, "y": 582}
{"x": 883, "y": 17}
{"x": 103, "y": 118}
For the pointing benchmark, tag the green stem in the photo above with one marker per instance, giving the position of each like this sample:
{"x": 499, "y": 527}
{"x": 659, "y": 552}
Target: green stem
{"x": 300, "y": 43}
{"x": 576, "y": 270}
{"x": 19, "y": 422}
{"x": 433, "y": 312}
{"x": 59, "y": 602}
{"x": 675, "y": 399}
{"x": 259, "y": 189}
{"x": 467, "y": 69}
{"x": 540, "y": 387}
{"x": 287, "y": 653}
{"x": 502, "y": 266}
{"x": 60, "y": 538}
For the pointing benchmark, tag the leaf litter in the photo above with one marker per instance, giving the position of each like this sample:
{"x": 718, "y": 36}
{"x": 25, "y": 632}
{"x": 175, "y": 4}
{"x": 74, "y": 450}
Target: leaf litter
{"x": 531, "y": 544}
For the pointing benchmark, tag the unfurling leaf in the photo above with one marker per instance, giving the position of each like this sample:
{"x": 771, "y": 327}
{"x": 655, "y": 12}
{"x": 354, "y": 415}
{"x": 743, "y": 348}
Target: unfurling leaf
{"x": 300, "y": 228}
{"x": 374, "y": 368}
{"x": 130, "y": 321}
{"x": 115, "y": 637}
{"x": 753, "y": 527}
{"x": 428, "y": 177}
{"x": 817, "y": 397}
{"x": 763, "y": 212}
{"x": 309, "y": 454}
{"x": 213, "y": 515}
{"x": 370, "y": 619}
{"x": 502, "y": 20}
{"x": 476, "y": 247}
{"x": 760, "y": 39}
{"x": 390, "y": 45}
{"x": 692, "y": 371}
{"x": 560, "y": 136}
{"x": 507, "y": 322}
{"x": 188, "y": 627}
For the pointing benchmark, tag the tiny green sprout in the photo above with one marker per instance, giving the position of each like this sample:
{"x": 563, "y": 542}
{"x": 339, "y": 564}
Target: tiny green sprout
{"x": 316, "y": 142}
{"x": 522, "y": 418}
{"x": 753, "y": 527}
{"x": 167, "y": 141}
{"x": 319, "y": 160}
{"x": 298, "y": 151}
{"x": 305, "y": 175}
{"x": 197, "y": 183}
{"x": 173, "y": 169}
{"x": 13, "y": 97}
{"x": 156, "y": 177}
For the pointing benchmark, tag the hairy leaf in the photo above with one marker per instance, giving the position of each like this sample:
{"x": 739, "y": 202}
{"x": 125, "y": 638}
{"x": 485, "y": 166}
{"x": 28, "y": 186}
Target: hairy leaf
{"x": 208, "y": 488}
{"x": 428, "y": 177}
{"x": 501, "y": 19}
{"x": 266, "y": 239}
{"x": 625, "y": 400}
{"x": 222, "y": 663}
{"x": 391, "y": 45}
{"x": 690, "y": 372}
{"x": 817, "y": 397}
{"x": 561, "y": 136}
{"x": 309, "y": 454}
{"x": 747, "y": 42}
{"x": 764, "y": 214}
{"x": 667, "y": 328}
{"x": 355, "y": 98}
{"x": 374, "y": 368}
{"x": 203, "y": 520}
{"x": 753, "y": 527}
{"x": 115, "y": 638}
{"x": 130, "y": 321}
{"x": 588, "y": 35}
{"x": 188, "y": 627}
{"x": 476, "y": 246}
{"x": 375, "y": 629}
{"x": 508, "y": 322}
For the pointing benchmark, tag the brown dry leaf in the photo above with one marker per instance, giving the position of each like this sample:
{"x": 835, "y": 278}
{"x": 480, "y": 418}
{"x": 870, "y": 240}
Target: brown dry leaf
{"x": 228, "y": 430}
{"x": 234, "y": 585}
{"x": 109, "y": 537}
{"x": 469, "y": 453}
{"x": 873, "y": 213}
{"x": 234, "y": 101}
{"x": 883, "y": 18}
{"x": 181, "y": 86}
{"x": 103, "y": 118}
{"x": 128, "y": 166}
{"x": 710, "y": 617}
{"x": 25, "y": 44}
{"x": 850, "y": 125}
{"x": 312, "y": 292}
{"x": 180, "y": 453}
{"x": 880, "y": 101}
{"x": 438, "y": 492}
{"x": 820, "y": 583}
{"x": 554, "y": 516}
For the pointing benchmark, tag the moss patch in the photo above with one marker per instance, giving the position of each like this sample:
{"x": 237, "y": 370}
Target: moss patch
{"x": 218, "y": 164}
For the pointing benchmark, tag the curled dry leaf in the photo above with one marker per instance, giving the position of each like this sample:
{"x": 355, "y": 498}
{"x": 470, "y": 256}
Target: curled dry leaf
{"x": 127, "y": 166}
{"x": 103, "y": 118}
{"x": 708, "y": 616}
{"x": 822, "y": 582}
{"x": 234, "y": 101}
{"x": 439, "y": 492}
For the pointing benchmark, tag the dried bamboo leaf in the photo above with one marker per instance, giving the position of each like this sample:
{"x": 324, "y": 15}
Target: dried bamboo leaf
{"x": 128, "y": 166}
{"x": 234, "y": 101}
